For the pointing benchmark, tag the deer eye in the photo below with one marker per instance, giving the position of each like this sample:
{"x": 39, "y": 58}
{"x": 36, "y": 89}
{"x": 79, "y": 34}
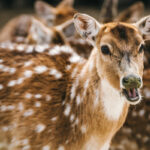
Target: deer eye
{"x": 141, "y": 49}
{"x": 105, "y": 50}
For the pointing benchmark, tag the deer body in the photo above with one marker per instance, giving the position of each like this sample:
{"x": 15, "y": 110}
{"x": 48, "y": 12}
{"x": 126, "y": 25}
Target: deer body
{"x": 54, "y": 99}
{"x": 36, "y": 113}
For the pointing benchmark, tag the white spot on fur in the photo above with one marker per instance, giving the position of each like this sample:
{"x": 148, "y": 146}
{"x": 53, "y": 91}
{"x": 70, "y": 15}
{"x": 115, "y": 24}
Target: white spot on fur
{"x": 75, "y": 59}
{"x": 55, "y": 73}
{"x": 1, "y": 60}
{"x": 3, "y": 108}
{"x": 83, "y": 129}
{"x": 74, "y": 72}
{"x": 61, "y": 148}
{"x": 20, "y": 81}
{"x": 113, "y": 102}
{"x": 28, "y": 73}
{"x": 67, "y": 110}
{"x": 78, "y": 99}
{"x": 28, "y": 63}
{"x": 28, "y": 95}
{"x": 1, "y": 86}
{"x": 94, "y": 144}
{"x": 12, "y": 70}
{"x": 39, "y": 49}
{"x": 28, "y": 113}
{"x": 37, "y": 104}
{"x": 1, "y": 66}
{"x": 54, "y": 119}
{"x": 6, "y": 69}
{"x": 38, "y": 96}
{"x": 25, "y": 141}
{"x": 48, "y": 98}
{"x": 72, "y": 117}
{"x": 12, "y": 83}
{"x": 26, "y": 147}
{"x": 20, "y": 106}
{"x": 55, "y": 51}
{"x": 73, "y": 89}
{"x": 146, "y": 92}
{"x": 76, "y": 121}
{"x": 40, "y": 128}
{"x": 10, "y": 107}
{"x": 46, "y": 147}
{"x": 5, "y": 128}
{"x": 141, "y": 112}
{"x": 29, "y": 49}
{"x": 68, "y": 67}
{"x": 40, "y": 69}
{"x": 20, "y": 48}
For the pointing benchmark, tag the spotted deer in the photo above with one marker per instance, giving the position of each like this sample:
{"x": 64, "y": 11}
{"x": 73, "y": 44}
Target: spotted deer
{"x": 55, "y": 16}
{"x": 52, "y": 99}
{"x": 16, "y": 30}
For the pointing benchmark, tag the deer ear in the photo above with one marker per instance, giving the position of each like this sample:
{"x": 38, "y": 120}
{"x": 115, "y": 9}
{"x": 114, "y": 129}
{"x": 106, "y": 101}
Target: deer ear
{"x": 131, "y": 14}
{"x": 67, "y": 28}
{"x": 66, "y": 3}
{"x": 39, "y": 33}
{"x": 144, "y": 26}
{"x": 87, "y": 27}
{"x": 46, "y": 12}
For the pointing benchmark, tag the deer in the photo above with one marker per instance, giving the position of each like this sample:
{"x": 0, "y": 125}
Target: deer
{"x": 131, "y": 14}
{"x": 55, "y": 99}
{"x": 16, "y": 29}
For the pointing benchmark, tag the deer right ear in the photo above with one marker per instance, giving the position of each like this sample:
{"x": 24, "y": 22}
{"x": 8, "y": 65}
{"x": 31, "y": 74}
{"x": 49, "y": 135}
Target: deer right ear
{"x": 65, "y": 3}
{"x": 46, "y": 12}
{"x": 87, "y": 27}
{"x": 144, "y": 25}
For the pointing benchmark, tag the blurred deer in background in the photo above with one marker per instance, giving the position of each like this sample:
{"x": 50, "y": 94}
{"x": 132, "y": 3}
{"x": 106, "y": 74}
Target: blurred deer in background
{"x": 109, "y": 12}
{"x": 54, "y": 99}
{"x": 16, "y": 29}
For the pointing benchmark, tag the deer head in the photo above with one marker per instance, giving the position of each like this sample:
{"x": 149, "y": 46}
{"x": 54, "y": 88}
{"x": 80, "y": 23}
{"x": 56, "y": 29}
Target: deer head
{"x": 54, "y": 16}
{"x": 119, "y": 57}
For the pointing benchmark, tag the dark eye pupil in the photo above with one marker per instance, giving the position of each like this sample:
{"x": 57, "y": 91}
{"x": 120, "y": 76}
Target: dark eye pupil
{"x": 141, "y": 48}
{"x": 105, "y": 50}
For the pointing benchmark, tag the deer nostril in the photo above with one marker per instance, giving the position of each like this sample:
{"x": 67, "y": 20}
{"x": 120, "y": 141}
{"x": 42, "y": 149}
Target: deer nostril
{"x": 131, "y": 81}
{"x": 125, "y": 80}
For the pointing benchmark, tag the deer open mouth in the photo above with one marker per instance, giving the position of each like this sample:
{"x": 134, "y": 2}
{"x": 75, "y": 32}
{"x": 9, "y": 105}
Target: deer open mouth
{"x": 133, "y": 94}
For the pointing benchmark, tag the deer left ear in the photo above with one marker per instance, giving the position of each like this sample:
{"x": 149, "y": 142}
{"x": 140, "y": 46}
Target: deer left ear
{"x": 144, "y": 25}
{"x": 87, "y": 27}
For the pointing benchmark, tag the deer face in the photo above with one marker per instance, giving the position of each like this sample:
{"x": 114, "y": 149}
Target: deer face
{"x": 54, "y": 16}
{"x": 119, "y": 52}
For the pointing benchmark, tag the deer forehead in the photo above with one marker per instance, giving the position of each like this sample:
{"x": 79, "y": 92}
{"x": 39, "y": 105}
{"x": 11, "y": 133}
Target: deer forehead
{"x": 120, "y": 36}
{"x": 120, "y": 33}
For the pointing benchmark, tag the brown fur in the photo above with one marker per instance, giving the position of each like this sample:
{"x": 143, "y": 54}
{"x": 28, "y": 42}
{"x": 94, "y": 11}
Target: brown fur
{"x": 57, "y": 130}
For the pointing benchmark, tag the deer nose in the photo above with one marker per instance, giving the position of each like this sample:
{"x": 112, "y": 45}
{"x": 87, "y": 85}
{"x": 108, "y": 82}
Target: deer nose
{"x": 131, "y": 81}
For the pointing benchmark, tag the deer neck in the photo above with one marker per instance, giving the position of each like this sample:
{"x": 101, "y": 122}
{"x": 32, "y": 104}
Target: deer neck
{"x": 103, "y": 105}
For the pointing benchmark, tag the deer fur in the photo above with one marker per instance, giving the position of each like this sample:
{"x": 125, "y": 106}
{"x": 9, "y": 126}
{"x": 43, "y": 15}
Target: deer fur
{"x": 16, "y": 29}
{"x": 52, "y": 98}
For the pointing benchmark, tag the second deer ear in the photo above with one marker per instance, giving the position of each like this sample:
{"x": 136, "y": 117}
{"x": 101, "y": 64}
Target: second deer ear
{"x": 67, "y": 28}
{"x": 66, "y": 3}
{"x": 39, "y": 33}
{"x": 87, "y": 27}
{"x": 144, "y": 26}
{"x": 46, "y": 12}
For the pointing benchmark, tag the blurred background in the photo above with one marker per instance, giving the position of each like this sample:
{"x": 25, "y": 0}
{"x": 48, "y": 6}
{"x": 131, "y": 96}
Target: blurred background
{"x": 11, "y": 8}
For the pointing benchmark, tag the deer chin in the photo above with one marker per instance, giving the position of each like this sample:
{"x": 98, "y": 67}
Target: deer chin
{"x": 132, "y": 95}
